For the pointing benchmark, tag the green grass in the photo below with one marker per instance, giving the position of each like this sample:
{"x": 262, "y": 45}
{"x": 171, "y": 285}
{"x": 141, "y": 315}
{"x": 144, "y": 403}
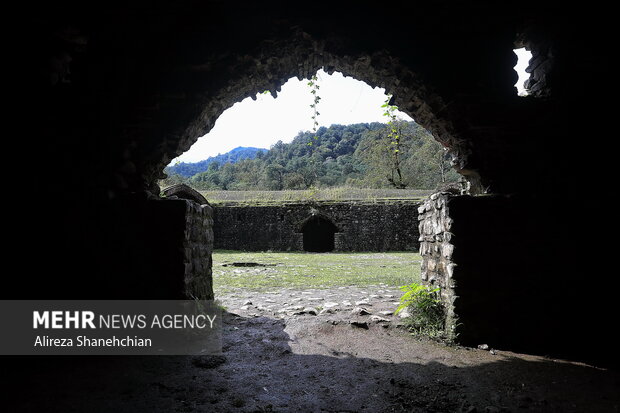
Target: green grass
{"x": 323, "y": 194}
{"x": 312, "y": 270}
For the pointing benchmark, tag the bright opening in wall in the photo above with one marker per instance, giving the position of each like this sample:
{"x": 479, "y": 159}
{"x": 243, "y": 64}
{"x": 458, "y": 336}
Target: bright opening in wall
{"x": 523, "y": 59}
{"x": 264, "y": 120}
{"x": 330, "y": 131}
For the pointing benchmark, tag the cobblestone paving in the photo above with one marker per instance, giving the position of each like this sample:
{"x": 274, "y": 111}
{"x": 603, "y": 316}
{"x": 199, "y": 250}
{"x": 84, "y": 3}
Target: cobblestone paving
{"x": 370, "y": 304}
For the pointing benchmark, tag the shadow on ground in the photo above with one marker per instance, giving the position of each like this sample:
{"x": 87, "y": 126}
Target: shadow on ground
{"x": 312, "y": 366}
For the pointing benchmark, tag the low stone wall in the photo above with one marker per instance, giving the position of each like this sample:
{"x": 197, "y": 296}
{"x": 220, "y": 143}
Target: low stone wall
{"x": 197, "y": 251}
{"x": 182, "y": 244}
{"x": 361, "y": 226}
{"x": 480, "y": 251}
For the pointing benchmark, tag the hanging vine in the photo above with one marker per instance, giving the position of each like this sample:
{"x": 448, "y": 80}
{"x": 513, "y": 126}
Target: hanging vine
{"x": 314, "y": 90}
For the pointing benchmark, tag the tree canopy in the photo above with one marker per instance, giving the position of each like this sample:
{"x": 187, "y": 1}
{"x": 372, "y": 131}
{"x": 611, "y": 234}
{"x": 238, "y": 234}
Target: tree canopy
{"x": 187, "y": 170}
{"x": 359, "y": 155}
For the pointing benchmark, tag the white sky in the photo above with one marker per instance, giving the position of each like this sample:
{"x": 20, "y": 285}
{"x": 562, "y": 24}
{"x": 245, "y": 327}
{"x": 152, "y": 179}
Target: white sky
{"x": 263, "y": 122}
{"x": 523, "y": 59}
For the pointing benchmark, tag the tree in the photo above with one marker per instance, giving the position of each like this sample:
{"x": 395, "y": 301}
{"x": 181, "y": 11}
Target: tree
{"x": 395, "y": 144}
{"x": 273, "y": 177}
{"x": 428, "y": 167}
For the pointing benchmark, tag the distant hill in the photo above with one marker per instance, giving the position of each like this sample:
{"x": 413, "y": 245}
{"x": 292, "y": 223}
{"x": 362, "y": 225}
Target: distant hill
{"x": 363, "y": 155}
{"x": 188, "y": 170}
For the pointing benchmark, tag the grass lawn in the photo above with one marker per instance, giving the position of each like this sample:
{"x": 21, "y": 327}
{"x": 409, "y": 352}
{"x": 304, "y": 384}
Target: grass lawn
{"x": 324, "y": 194}
{"x": 268, "y": 270}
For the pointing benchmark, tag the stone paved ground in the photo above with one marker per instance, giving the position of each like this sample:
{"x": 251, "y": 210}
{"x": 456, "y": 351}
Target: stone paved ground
{"x": 358, "y": 305}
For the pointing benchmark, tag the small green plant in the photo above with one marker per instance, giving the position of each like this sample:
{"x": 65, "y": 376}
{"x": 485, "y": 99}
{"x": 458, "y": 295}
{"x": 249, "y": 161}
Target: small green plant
{"x": 426, "y": 312}
{"x": 220, "y": 306}
{"x": 311, "y": 194}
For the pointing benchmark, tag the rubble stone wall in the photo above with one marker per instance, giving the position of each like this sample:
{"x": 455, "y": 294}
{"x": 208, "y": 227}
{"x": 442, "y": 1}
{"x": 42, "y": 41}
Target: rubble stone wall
{"x": 362, "y": 226}
{"x": 437, "y": 267}
{"x": 197, "y": 251}
{"x": 485, "y": 253}
{"x": 178, "y": 252}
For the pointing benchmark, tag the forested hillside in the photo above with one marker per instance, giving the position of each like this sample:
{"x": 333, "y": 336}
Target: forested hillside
{"x": 360, "y": 155}
{"x": 188, "y": 170}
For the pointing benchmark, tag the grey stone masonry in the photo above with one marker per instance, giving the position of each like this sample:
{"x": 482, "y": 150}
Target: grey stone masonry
{"x": 360, "y": 226}
{"x": 197, "y": 251}
{"x": 436, "y": 250}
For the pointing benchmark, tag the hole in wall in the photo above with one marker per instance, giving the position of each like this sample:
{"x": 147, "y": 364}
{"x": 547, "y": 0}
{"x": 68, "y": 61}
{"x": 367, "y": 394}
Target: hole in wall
{"x": 523, "y": 59}
{"x": 349, "y": 104}
{"x": 318, "y": 234}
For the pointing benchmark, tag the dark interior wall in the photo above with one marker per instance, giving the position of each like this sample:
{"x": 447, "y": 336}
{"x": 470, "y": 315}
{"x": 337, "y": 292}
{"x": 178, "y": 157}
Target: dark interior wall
{"x": 113, "y": 91}
{"x": 512, "y": 275}
{"x": 509, "y": 292}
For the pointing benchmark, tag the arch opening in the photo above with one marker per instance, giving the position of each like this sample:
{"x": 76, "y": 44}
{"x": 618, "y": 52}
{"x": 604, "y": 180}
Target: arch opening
{"x": 319, "y": 234}
{"x": 359, "y": 140}
{"x": 413, "y": 96}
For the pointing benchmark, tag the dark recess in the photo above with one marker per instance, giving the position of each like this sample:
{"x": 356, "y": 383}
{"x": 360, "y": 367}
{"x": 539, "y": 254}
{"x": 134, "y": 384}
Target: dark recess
{"x": 319, "y": 234}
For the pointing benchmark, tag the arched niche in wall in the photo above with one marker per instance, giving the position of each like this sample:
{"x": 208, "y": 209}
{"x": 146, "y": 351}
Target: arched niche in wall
{"x": 318, "y": 234}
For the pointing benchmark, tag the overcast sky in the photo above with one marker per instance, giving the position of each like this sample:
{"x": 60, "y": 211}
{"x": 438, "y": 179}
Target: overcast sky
{"x": 262, "y": 122}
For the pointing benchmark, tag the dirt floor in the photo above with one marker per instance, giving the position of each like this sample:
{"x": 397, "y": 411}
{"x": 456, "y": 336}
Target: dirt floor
{"x": 284, "y": 358}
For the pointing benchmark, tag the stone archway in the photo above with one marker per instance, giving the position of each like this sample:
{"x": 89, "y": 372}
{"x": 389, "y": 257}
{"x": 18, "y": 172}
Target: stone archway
{"x": 142, "y": 87}
{"x": 318, "y": 234}
{"x": 273, "y": 62}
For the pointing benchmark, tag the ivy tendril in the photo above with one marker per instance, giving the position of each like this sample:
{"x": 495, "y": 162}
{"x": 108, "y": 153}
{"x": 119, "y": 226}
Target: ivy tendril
{"x": 314, "y": 89}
